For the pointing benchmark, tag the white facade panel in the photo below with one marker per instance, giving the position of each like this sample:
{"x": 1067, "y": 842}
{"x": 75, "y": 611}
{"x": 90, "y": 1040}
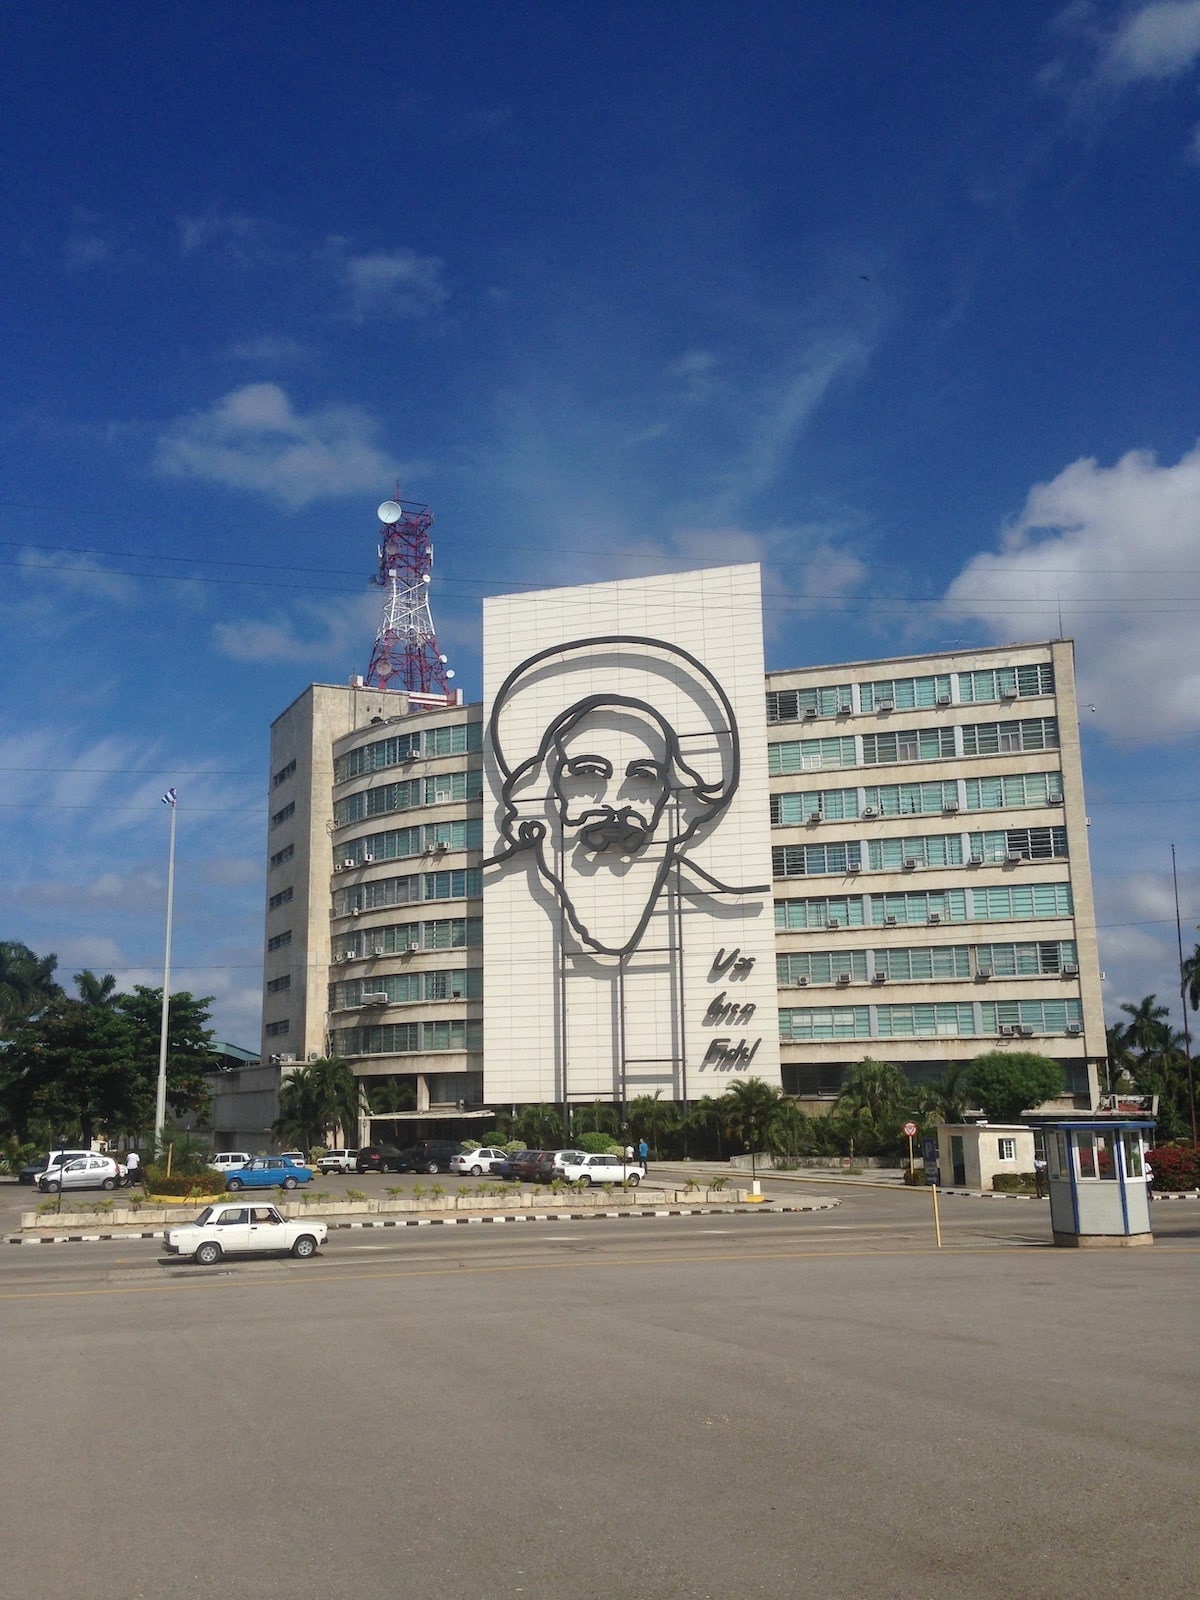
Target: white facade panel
{"x": 628, "y": 936}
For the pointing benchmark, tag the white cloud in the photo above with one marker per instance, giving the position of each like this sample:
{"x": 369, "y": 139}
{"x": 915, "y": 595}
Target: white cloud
{"x": 399, "y": 283}
{"x": 338, "y": 631}
{"x": 81, "y": 574}
{"x": 1153, "y": 43}
{"x": 228, "y": 232}
{"x": 267, "y": 350}
{"x": 253, "y": 439}
{"x": 1119, "y": 549}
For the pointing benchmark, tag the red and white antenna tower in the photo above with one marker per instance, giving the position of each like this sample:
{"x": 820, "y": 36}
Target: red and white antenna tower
{"x": 406, "y": 655}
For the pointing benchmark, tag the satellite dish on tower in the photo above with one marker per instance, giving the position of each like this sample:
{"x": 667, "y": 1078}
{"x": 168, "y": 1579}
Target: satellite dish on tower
{"x": 389, "y": 512}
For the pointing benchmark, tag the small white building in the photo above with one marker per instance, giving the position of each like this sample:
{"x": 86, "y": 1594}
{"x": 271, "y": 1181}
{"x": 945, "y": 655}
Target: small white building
{"x": 972, "y": 1154}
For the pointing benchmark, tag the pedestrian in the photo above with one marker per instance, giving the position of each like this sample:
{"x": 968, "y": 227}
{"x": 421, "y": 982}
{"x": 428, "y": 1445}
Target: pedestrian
{"x": 133, "y": 1170}
{"x": 1039, "y": 1176}
{"x": 643, "y": 1151}
{"x": 628, "y": 1154}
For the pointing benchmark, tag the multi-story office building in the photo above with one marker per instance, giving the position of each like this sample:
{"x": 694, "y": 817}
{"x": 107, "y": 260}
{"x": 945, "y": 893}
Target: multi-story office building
{"x": 925, "y": 828}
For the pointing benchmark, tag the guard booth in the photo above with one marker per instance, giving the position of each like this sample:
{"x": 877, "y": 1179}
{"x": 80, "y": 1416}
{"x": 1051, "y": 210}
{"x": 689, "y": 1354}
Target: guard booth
{"x": 1099, "y": 1181}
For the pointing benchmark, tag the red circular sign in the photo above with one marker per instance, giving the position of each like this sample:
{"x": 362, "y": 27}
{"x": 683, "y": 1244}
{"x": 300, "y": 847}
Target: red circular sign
{"x": 910, "y": 1129}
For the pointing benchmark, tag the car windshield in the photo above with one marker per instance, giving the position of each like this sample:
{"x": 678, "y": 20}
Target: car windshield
{"x": 204, "y": 1216}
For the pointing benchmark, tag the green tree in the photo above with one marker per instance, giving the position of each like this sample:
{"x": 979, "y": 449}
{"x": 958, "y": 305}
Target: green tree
{"x": 388, "y": 1094}
{"x": 652, "y": 1117}
{"x": 27, "y": 984}
{"x": 871, "y": 1106}
{"x": 748, "y": 1109}
{"x": 316, "y": 1100}
{"x": 75, "y": 1069}
{"x": 96, "y": 991}
{"x": 1005, "y": 1083}
{"x": 594, "y": 1117}
{"x": 1190, "y": 977}
{"x": 189, "y": 1044}
{"x": 540, "y": 1126}
{"x": 706, "y": 1119}
{"x": 943, "y": 1101}
{"x": 789, "y": 1132}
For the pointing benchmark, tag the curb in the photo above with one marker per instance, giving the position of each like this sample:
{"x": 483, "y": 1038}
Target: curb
{"x": 457, "y": 1221}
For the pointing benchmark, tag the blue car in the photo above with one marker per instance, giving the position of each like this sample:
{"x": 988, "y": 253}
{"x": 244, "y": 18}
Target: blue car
{"x": 269, "y": 1172}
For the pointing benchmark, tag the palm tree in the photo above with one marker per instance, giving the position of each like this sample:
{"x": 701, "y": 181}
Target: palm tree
{"x": 748, "y": 1109}
{"x": 947, "y": 1099}
{"x": 652, "y": 1117}
{"x": 789, "y": 1131}
{"x": 94, "y": 991}
{"x": 871, "y": 1102}
{"x": 1147, "y": 1029}
{"x": 27, "y": 984}
{"x": 320, "y": 1098}
{"x": 1190, "y": 978}
{"x": 705, "y": 1117}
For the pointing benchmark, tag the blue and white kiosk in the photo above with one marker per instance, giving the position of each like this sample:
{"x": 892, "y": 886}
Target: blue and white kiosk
{"x": 1099, "y": 1180}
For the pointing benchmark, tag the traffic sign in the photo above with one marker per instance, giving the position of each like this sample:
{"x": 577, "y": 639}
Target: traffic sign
{"x": 910, "y": 1130}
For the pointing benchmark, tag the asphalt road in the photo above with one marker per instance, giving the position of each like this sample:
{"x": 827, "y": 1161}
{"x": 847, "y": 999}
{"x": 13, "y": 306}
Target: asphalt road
{"x": 803, "y": 1404}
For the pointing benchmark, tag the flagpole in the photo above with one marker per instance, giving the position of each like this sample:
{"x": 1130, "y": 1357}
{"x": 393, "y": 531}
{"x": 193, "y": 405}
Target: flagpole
{"x": 160, "y": 1102}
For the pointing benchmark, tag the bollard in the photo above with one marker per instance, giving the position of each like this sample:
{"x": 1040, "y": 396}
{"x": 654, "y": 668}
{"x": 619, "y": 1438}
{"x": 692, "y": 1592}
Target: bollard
{"x": 937, "y": 1225}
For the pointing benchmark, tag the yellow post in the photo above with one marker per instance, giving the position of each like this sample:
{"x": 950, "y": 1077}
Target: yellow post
{"x": 937, "y": 1226}
{"x": 170, "y": 1153}
{"x": 910, "y": 1158}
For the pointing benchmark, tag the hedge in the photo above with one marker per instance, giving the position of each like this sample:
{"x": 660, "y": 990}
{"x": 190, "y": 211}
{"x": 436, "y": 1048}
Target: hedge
{"x": 1174, "y": 1167}
{"x": 178, "y": 1184}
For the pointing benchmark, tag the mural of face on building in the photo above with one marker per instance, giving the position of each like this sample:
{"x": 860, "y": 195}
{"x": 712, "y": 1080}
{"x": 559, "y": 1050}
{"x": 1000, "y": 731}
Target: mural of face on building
{"x": 617, "y": 787}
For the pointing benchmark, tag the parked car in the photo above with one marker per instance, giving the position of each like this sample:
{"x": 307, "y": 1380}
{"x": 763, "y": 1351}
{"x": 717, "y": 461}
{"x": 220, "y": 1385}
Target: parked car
{"x": 34, "y": 1170}
{"x": 338, "y": 1161}
{"x": 269, "y": 1172}
{"x": 84, "y": 1172}
{"x": 577, "y": 1167}
{"x": 298, "y": 1156}
{"x": 229, "y": 1160}
{"x": 523, "y": 1165}
{"x": 504, "y": 1167}
{"x": 381, "y": 1158}
{"x": 432, "y": 1155}
{"x": 226, "y": 1229}
{"x": 476, "y": 1162}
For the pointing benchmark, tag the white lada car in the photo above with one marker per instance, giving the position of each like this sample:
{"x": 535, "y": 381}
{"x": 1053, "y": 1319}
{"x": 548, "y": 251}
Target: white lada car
{"x": 244, "y": 1228}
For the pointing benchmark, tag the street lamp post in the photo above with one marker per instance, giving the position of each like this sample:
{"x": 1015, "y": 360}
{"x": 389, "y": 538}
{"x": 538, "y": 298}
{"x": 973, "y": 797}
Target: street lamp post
{"x": 160, "y": 1099}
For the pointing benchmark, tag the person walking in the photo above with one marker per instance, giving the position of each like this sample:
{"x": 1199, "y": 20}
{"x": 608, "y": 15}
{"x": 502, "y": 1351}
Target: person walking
{"x": 134, "y": 1172}
{"x": 1039, "y": 1176}
{"x": 643, "y": 1152}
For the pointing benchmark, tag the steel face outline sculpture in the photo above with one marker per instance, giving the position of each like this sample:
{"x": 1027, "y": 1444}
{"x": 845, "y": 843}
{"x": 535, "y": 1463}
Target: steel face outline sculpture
{"x": 610, "y": 794}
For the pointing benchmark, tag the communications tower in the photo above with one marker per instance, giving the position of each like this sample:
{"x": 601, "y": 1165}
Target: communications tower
{"x": 406, "y": 655}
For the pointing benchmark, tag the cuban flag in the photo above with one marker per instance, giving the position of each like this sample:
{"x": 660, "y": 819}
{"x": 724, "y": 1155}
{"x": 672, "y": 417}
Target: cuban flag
{"x": 169, "y": 798}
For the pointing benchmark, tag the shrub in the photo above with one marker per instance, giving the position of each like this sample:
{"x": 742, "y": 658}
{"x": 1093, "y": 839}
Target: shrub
{"x": 1014, "y": 1182}
{"x": 598, "y": 1144}
{"x": 1174, "y": 1167}
{"x": 915, "y": 1177}
{"x": 182, "y": 1183}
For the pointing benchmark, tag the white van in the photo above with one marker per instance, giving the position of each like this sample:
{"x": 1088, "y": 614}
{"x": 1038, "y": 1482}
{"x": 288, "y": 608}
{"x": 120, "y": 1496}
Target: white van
{"x": 229, "y": 1160}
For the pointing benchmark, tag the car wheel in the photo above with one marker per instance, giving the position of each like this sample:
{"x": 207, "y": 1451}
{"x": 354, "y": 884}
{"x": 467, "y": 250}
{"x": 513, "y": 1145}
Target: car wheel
{"x": 432, "y": 1167}
{"x": 305, "y": 1246}
{"x": 477, "y": 1171}
{"x": 289, "y": 1183}
{"x": 634, "y": 1179}
{"x": 585, "y": 1180}
{"x": 109, "y": 1183}
{"x": 234, "y": 1183}
{"x": 50, "y": 1186}
{"x": 208, "y": 1254}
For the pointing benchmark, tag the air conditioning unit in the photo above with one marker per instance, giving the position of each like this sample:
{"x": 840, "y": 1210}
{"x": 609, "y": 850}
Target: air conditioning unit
{"x": 1014, "y": 858}
{"x": 879, "y": 977}
{"x": 844, "y": 709}
{"x": 348, "y": 861}
{"x": 375, "y": 998}
{"x": 934, "y": 918}
{"x": 440, "y": 846}
{"x": 313, "y": 1056}
{"x": 869, "y": 812}
{"x": 1005, "y": 1030}
{"x": 949, "y": 807}
{"x": 287, "y": 1059}
{"x": 814, "y": 816}
{"x": 854, "y": 866}
{"x": 983, "y": 972}
{"x": 337, "y": 866}
{"x": 1074, "y": 1027}
{"x": 1070, "y": 969}
{"x": 1054, "y": 800}
{"x": 809, "y": 713}
{"x": 975, "y": 861}
{"x": 889, "y": 922}
{"x": 367, "y": 858}
{"x": 802, "y": 983}
{"x": 833, "y": 922}
{"x": 843, "y": 980}
{"x": 378, "y": 950}
{"x": 356, "y": 911}
{"x": 910, "y": 863}
{"x": 1026, "y": 1030}
{"x": 885, "y": 705}
{"x": 943, "y": 699}
{"x": 1008, "y": 694}
{"x": 409, "y": 949}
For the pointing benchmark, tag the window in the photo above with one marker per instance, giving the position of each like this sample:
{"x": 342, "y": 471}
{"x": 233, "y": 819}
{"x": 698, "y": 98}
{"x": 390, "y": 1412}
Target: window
{"x": 946, "y": 1020}
{"x": 280, "y": 899}
{"x": 995, "y": 738}
{"x": 910, "y": 744}
{"x": 460, "y": 738}
{"x": 1006, "y": 1149}
{"x": 454, "y": 885}
{"x": 1006, "y": 683}
{"x": 1021, "y": 901}
{"x": 930, "y": 850}
{"x": 911, "y": 799}
{"x": 1034, "y": 958}
{"x": 276, "y": 1030}
{"x": 398, "y": 843}
{"x": 277, "y": 985}
{"x": 820, "y": 966}
{"x": 283, "y": 774}
{"x": 790, "y": 705}
{"x": 1031, "y": 844}
{"x": 810, "y": 755}
{"x": 1097, "y": 1154}
{"x": 833, "y": 805}
{"x": 905, "y": 694}
{"x": 805, "y": 860}
{"x": 1039, "y": 1016}
{"x": 822, "y": 911}
{"x": 279, "y": 817}
{"x": 923, "y": 963}
{"x": 1015, "y": 789}
{"x": 917, "y": 906}
{"x": 279, "y": 941}
{"x": 286, "y": 854}
{"x": 824, "y": 1022}
{"x": 399, "y": 1037}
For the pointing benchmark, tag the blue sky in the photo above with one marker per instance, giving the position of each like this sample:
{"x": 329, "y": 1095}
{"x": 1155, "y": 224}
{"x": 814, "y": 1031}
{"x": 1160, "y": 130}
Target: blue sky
{"x": 901, "y": 300}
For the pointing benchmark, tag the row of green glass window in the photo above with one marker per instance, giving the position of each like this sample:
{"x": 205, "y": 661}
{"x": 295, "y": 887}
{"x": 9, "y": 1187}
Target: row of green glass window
{"x": 407, "y": 988}
{"x": 397, "y": 844}
{"x": 931, "y": 850}
{"x": 460, "y": 738}
{"x": 395, "y": 1038}
{"x": 910, "y": 694}
{"x": 1031, "y": 958}
{"x": 415, "y": 887}
{"x": 451, "y": 933}
{"x": 912, "y": 744}
{"x": 917, "y": 799}
{"x": 406, "y": 795}
{"x": 947, "y": 1020}
{"x": 998, "y": 904}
